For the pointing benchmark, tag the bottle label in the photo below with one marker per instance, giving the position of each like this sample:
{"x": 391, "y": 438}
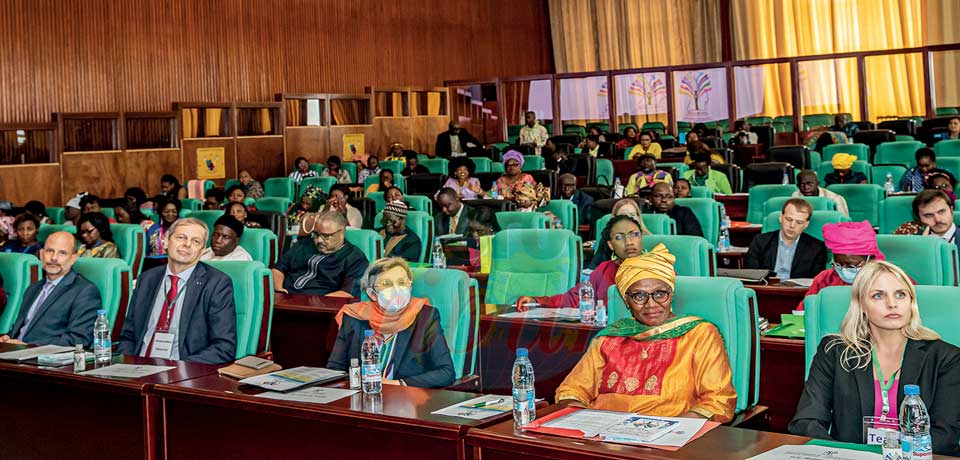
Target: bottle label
{"x": 588, "y": 313}
{"x": 917, "y": 447}
{"x": 524, "y": 406}
{"x": 371, "y": 373}
{"x": 355, "y": 378}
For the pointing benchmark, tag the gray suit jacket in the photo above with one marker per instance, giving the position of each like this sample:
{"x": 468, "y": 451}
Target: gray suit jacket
{"x": 208, "y": 322}
{"x": 66, "y": 316}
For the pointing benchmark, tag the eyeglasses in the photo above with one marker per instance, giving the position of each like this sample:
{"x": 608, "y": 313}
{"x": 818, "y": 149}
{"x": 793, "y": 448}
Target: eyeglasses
{"x": 859, "y": 265}
{"x": 326, "y": 236}
{"x": 87, "y": 231}
{"x": 634, "y": 235}
{"x": 641, "y": 297}
{"x": 941, "y": 186}
{"x": 386, "y": 284}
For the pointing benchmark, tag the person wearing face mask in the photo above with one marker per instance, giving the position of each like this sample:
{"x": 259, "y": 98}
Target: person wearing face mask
{"x": 324, "y": 264}
{"x": 647, "y": 175}
{"x": 461, "y": 169}
{"x": 398, "y": 240}
{"x": 413, "y": 350}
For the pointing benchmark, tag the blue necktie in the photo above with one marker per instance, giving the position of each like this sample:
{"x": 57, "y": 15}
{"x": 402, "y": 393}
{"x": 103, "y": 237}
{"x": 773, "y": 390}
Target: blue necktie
{"x": 47, "y": 287}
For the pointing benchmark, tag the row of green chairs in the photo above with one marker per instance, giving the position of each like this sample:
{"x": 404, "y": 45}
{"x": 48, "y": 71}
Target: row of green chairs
{"x": 863, "y": 200}
{"x": 130, "y": 239}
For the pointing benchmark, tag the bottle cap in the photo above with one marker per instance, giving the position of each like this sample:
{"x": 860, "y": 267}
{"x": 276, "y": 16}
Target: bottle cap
{"x": 911, "y": 390}
{"x": 101, "y": 312}
{"x": 354, "y": 362}
{"x": 368, "y": 333}
{"x": 79, "y": 347}
{"x": 522, "y": 352}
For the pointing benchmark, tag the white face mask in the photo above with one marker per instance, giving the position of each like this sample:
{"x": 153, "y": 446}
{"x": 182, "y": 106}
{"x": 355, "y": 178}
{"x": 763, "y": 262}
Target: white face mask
{"x": 394, "y": 299}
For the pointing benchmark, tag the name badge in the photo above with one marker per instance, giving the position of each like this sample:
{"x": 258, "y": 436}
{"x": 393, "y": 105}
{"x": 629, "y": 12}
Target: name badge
{"x": 876, "y": 428}
{"x": 162, "y": 345}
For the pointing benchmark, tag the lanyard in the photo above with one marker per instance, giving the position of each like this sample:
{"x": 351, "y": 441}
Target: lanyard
{"x": 884, "y": 385}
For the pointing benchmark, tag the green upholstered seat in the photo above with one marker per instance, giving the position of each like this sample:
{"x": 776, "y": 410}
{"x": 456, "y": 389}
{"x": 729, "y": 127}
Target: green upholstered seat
{"x": 707, "y": 211}
{"x": 131, "y": 240}
{"x": 898, "y": 152}
{"x": 895, "y": 210}
{"x": 759, "y": 194}
{"x": 436, "y": 165}
{"x": 604, "y": 172}
{"x": 575, "y": 129}
{"x": 695, "y": 256}
{"x": 859, "y": 166}
{"x": 602, "y": 126}
{"x": 113, "y": 279}
{"x": 679, "y": 166}
{"x": 261, "y": 243}
{"x": 18, "y": 272}
{"x": 46, "y": 230}
{"x": 566, "y": 210}
{"x": 190, "y": 204}
{"x": 951, "y": 164}
{"x": 421, "y": 224}
{"x": 928, "y": 260}
{"x": 351, "y": 169}
{"x": 230, "y": 183}
{"x": 518, "y": 219}
{"x": 55, "y": 215}
{"x": 532, "y": 262}
{"x": 815, "y": 229}
{"x": 532, "y": 163}
{"x": 253, "y": 296}
{"x": 496, "y": 166}
{"x": 878, "y": 174}
{"x": 368, "y": 241}
{"x": 863, "y": 201}
{"x": 819, "y": 203}
{"x": 483, "y": 164}
{"x": 398, "y": 181}
{"x": 324, "y": 183}
{"x": 417, "y": 202}
{"x": 658, "y": 224}
{"x": 394, "y": 165}
{"x": 208, "y": 217}
{"x": 318, "y": 167}
{"x": 862, "y": 151}
{"x": 943, "y": 149}
{"x": 623, "y": 127}
{"x": 280, "y": 187}
{"x": 273, "y": 204}
{"x": 824, "y": 312}
{"x": 455, "y": 295}
{"x": 697, "y": 191}
{"x": 729, "y": 306}
{"x": 657, "y": 126}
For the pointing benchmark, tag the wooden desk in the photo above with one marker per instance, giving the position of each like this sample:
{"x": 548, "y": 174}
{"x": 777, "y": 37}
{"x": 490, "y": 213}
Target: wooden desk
{"x": 743, "y": 235}
{"x": 731, "y": 259}
{"x": 501, "y": 442}
{"x": 216, "y": 417}
{"x": 555, "y": 348}
{"x": 735, "y": 205}
{"x": 304, "y": 329}
{"x": 776, "y": 299}
{"x": 54, "y": 413}
{"x": 781, "y": 381}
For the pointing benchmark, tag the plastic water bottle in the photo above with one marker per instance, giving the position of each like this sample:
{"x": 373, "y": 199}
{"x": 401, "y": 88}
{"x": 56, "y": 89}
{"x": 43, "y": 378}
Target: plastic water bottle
{"x": 617, "y": 188}
{"x": 493, "y": 191}
{"x": 370, "y": 356}
{"x": 439, "y": 258}
{"x": 79, "y": 359}
{"x": 914, "y": 425}
{"x": 101, "y": 339}
{"x": 354, "y": 374}
{"x": 524, "y": 394}
{"x": 557, "y": 223}
{"x": 723, "y": 242}
{"x": 601, "y": 314}
{"x": 294, "y": 232}
{"x": 888, "y": 185}
{"x": 786, "y": 178}
{"x": 588, "y": 312}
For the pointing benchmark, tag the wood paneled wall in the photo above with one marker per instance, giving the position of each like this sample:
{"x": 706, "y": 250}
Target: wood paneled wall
{"x": 141, "y": 55}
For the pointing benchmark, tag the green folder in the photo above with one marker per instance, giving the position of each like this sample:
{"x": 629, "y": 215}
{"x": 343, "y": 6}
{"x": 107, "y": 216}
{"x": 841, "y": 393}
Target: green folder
{"x": 791, "y": 327}
{"x": 846, "y": 445}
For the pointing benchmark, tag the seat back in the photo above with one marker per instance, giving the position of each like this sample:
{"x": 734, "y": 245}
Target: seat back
{"x": 859, "y": 166}
{"x": 928, "y": 260}
{"x": 368, "y": 241}
{"x": 56, "y": 214}
{"x": 46, "y": 230}
{"x": 189, "y": 204}
{"x": 253, "y": 296}
{"x": 566, "y": 210}
{"x": 817, "y": 220}
{"x": 548, "y": 179}
{"x": 698, "y": 191}
{"x": 862, "y": 151}
{"x": 863, "y": 200}
{"x": 422, "y": 225}
{"x": 262, "y": 245}
{"x": 895, "y": 210}
{"x": 532, "y": 262}
{"x": 519, "y": 219}
{"x": 425, "y": 184}
{"x": 394, "y": 165}
{"x": 113, "y": 279}
{"x": 759, "y": 194}
{"x": 904, "y": 126}
{"x": 131, "y": 240}
{"x": 420, "y": 203}
{"x": 18, "y": 272}
{"x": 604, "y": 172}
{"x": 819, "y": 203}
{"x": 729, "y": 306}
{"x": 824, "y": 312}
{"x": 351, "y": 169}
{"x": 943, "y": 149}
{"x": 209, "y": 218}
{"x": 707, "y": 211}
{"x": 532, "y": 163}
{"x": 482, "y": 164}
{"x": 280, "y": 187}
{"x": 695, "y": 256}
{"x": 658, "y": 224}
{"x": 874, "y": 137}
{"x": 456, "y": 297}
{"x": 436, "y": 165}
{"x": 323, "y": 183}
{"x": 273, "y": 204}
{"x": 878, "y": 174}
{"x": 796, "y": 155}
{"x": 767, "y": 173}
{"x": 898, "y": 152}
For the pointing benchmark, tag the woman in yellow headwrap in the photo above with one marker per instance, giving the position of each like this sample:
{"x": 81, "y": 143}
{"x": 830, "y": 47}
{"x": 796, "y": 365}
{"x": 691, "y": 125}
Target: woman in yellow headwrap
{"x": 842, "y": 162}
{"x": 654, "y": 363}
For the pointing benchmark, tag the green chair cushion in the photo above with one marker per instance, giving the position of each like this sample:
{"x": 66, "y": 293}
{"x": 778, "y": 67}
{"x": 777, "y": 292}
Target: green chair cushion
{"x": 532, "y": 262}
{"x": 253, "y": 296}
{"x": 18, "y": 272}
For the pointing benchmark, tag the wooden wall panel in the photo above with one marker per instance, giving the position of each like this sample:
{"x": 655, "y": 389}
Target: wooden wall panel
{"x": 22, "y": 183}
{"x": 190, "y": 147}
{"x": 99, "y": 173}
{"x": 262, "y": 155}
{"x": 143, "y": 168}
{"x": 425, "y": 131}
{"x": 141, "y": 55}
{"x": 310, "y": 142}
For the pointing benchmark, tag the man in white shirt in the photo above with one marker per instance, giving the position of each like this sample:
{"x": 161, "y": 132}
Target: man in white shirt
{"x": 224, "y": 244}
{"x": 809, "y": 185}
{"x": 533, "y": 133}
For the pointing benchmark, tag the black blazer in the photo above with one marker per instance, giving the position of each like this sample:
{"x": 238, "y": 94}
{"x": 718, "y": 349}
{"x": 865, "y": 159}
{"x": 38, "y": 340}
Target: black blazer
{"x": 809, "y": 259}
{"x": 66, "y": 316}
{"x": 208, "y": 322}
{"x": 688, "y": 224}
{"x": 835, "y": 401}
{"x": 420, "y": 356}
{"x": 463, "y": 225}
{"x": 442, "y": 149}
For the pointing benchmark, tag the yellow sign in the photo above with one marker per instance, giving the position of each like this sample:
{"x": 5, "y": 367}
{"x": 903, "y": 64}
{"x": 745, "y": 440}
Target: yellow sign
{"x": 210, "y": 163}
{"x": 353, "y": 147}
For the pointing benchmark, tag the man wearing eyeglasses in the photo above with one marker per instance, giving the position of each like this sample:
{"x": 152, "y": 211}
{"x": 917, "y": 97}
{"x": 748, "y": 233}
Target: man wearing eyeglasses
{"x": 324, "y": 264}
{"x": 185, "y": 310}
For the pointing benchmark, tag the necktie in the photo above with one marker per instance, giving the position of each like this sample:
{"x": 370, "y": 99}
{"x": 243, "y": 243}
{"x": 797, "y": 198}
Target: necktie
{"x": 44, "y": 293}
{"x": 166, "y": 313}
{"x": 453, "y": 224}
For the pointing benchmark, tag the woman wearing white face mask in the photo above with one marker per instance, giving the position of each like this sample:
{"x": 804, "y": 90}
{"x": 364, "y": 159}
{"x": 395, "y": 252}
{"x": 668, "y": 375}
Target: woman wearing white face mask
{"x": 413, "y": 349}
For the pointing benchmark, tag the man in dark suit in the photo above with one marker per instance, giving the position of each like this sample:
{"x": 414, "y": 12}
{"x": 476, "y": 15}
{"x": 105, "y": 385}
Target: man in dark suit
{"x": 454, "y": 216}
{"x": 568, "y": 191}
{"x": 59, "y": 309}
{"x": 664, "y": 203}
{"x": 184, "y": 311}
{"x": 789, "y": 252}
{"x": 455, "y": 142}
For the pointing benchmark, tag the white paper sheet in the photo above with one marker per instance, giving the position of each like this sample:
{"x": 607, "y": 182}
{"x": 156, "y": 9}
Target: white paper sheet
{"x": 293, "y": 378}
{"x": 590, "y": 422}
{"x": 30, "y": 353}
{"x": 466, "y": 409}
{"x": 131, "y": 371}
{"x": 545, "y": 313}
{"x": 316, "y": 395}
{"x": 807, "y": 452}
{"x": 681, "y": 433}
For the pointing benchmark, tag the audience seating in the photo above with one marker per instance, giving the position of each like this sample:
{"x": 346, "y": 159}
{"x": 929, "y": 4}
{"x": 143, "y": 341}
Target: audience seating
{"x": 436, "y": 165}
{"x": 280, "y": 187}
{"x": 197, "y": 188}
{"x": 819, "y": 203}
{"x": 131, "y": 240}
{"x": 768, "y": 173}
{"x": 455, "y": 295}
{"x": 878, "y": 174}
{"x": 863, "y": 200}
{"x": 658, "y": 224}
{"x": 734, "y": 175}
{"x": 874, "y": 137}
{"x": 567, "y": 211}
{"x": 482, "y": 164}
{"x": 575, "y": 129}
{"x": 604, "y": 173}
{"x": 421, "y": 224}
{"x": 113, "y": 279}
{"x": 862, "y": 151}
{"x": 859, "y": 166}
{"x": 532, "y": 163}
{"x": 623, "y": 127}
{"x": 895, "y": 210}
{"x": 18, "y": 272}
{"x": 824, "y": 312}
{"x": 209, "y": 218}
{"x": 399, "y": 181}
{"x": 46, "y": 230}
{"x": 393, "y": 165}
{"x": 351, "y": 169}
{"x": 943, "y": 149}
{"x": 318, "y": 167}
{"x": 253, "y": 296}
{"x": 951, "y": 164}
{"x": 928, "y": 260}
{"x": 262, "y": 245}
{"x": 695, "y": 255}
{"x": 796, "y": 155}
{"x": 55, "y": 214}
{"x": 324, "y": 183}
{"x": 898, "y": 152}
{"x": 765, "y": 134}
{"x": 548, "y": 179}
{"x": 903, "y": 126}
{"x": 707, "y": 211}
{"x": 273, "y": 204}
{"x": 368, "y": 241}
{"x": 533, "y": 262}
{"x": 815, "y": 229}
{"x": 424, "y": 184}
{"x": 189, "y": 204}
{"x": 679, "y": 167}
{"x": 759, "y": 194}
{"x": 729, "y": 306}
{"x": 520, "y": 219}
{"x": 697, "y": 191}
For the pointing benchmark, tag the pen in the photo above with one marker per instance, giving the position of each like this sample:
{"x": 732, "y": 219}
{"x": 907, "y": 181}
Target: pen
{"x": 530, "y": 304}
{"x": 486, "y": 403}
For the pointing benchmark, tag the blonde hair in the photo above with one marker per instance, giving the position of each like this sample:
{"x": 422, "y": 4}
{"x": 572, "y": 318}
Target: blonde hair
{"x": 630, "y": 202}
{"x": 381, "y": 266}
{"x": 854, "y": 333}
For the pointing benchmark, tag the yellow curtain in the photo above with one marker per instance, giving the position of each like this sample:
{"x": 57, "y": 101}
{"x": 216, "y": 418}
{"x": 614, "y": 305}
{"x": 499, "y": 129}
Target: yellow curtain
{"x": 592, "y": 35}
{"x": 941, "y": 18}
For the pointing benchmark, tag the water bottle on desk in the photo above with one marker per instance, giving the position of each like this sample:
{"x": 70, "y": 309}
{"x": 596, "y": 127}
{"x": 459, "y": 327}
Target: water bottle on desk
{"x": 557, "y": 223}
{"x": 786, "y": 178}
{"x": 588, "y": 312}
{"x": 439, "y": 258}
{"x": 723, "y": 242}
{"x": 101, "y": 339}
{"x": 524, "y": 394}
{"x": 370, "y": 357}
{"x": 914, "y": 425}
{"x": 617, "y": 188}
{"x": 493, "y": 192}
{"x": 79, "y": 359}
{"x": 601, "y": 314}
{"x": 888, "y": 185}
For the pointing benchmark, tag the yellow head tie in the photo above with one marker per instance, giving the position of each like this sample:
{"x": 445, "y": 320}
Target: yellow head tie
{"x": 843, "y": 161}
{"x": 656, "y": 264}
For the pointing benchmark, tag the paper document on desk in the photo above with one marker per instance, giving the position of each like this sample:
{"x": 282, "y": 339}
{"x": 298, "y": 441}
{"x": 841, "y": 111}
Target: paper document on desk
{"x": 802, "y": 282}
{"x": 130, "y": 371}
{"x": 616, "y": 426}
{"x": 546, "y": 313}
{"x": 478, "y": 408}
{"x": 30, "y": 353}
{"x": 809, "y": 452}
{"x": 293, "y": 378}
{"x": 316, "y": 395}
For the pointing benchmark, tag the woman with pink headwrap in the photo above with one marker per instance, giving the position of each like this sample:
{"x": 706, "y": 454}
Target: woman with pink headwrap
{"x": 853, "y": 245}
{"x": 513, "y": 178}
